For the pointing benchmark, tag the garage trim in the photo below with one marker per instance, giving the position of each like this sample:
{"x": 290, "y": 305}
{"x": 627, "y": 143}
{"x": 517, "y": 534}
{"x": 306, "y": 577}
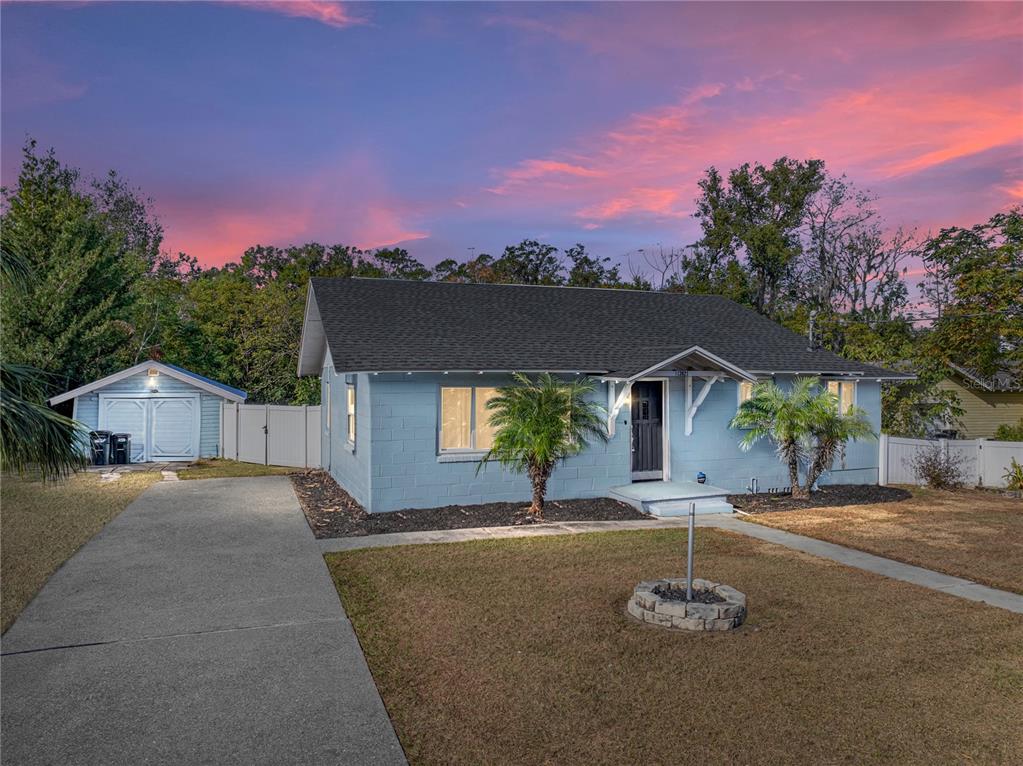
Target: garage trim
{"x": 147, "y": 446}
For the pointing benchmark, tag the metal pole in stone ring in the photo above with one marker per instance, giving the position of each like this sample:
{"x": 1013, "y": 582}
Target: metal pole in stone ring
{"x": 689, "y": 556}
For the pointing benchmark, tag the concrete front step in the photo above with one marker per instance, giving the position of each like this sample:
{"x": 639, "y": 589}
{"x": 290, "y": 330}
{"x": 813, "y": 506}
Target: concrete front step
{"x": 666, "y": 508}
{"x": 668, "y": 498}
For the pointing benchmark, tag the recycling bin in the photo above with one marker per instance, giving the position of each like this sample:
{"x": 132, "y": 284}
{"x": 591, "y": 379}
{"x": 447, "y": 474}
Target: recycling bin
{"x": 99, "y": 442}
{"x": 120, "y": 448}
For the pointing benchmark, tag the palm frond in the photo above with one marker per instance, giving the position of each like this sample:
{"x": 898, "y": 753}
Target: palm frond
{"x": 33, "y": 437}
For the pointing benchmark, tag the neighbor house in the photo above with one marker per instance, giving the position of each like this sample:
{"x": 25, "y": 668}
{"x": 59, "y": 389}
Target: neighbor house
{"x": 407, "y": 368}
{"x": 171, "y": 414}
{"x": 987, "y": 402}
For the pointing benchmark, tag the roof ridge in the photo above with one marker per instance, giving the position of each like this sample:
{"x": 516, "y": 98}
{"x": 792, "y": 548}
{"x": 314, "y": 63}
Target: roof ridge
{"x": 631, "y": 290}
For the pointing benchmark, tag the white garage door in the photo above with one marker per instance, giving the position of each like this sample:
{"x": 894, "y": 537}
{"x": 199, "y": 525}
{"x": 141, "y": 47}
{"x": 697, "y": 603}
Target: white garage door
{"x": 164, "y": 428}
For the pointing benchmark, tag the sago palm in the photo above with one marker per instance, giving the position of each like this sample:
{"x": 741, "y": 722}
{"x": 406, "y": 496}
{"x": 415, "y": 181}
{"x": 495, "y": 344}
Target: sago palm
{"x": 539, "y": 422}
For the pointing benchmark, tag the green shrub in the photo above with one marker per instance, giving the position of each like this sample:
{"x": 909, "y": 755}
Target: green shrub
{"x": 1007, "y": 432}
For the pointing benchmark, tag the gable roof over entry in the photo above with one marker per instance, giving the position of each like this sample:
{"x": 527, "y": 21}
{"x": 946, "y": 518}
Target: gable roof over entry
{"x": 383, "y": 325}
{"x": 180, "y": 373}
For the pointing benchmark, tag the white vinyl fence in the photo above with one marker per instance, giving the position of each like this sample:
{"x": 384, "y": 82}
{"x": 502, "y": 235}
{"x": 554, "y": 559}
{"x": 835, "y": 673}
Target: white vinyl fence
{"x": 270, "y": 434}
{"x": 985, "y": 461}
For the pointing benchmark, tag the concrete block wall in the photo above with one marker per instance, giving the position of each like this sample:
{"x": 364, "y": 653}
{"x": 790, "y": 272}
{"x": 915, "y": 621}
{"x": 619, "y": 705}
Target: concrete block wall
{"x": 396, "y": 462}
{"x": 713, "y": 447}
{"x": 350, "y": 466}
{"x": 407, "y": 470}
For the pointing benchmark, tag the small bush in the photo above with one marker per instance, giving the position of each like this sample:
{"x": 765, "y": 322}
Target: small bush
{"x": 1010, "y": 433}
{"x": 937, "y": 468}
{"x": 1014, "y": 476}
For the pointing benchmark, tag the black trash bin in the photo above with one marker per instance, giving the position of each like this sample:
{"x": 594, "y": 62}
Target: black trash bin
{"x": 100, "y": 443}
{"x": 120, "y": 448}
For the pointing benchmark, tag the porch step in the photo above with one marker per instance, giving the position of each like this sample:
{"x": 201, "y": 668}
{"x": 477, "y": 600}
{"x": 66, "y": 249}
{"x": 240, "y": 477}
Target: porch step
{"x": 681, "y": 507}
{"x": 669, "y": 498}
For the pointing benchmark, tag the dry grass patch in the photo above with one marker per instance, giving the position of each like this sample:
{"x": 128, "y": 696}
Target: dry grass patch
{"x": 520, "y": 651}
{"x": 968, "y": 533}
{"x": 220, "y": 468}
{"x": 43, "y": 524}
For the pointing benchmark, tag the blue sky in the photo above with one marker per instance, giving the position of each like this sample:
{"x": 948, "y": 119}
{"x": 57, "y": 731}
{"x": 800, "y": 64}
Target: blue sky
{"x": 445, "y": 127}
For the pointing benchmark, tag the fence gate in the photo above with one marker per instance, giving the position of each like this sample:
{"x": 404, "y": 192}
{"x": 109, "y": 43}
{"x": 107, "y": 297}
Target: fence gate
{"x": 270, "y": 434}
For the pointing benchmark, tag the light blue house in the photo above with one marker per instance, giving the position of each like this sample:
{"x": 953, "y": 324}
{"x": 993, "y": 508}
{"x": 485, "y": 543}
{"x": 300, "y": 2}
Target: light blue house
{"x": 407, "y": 367}
{"x": 171, "y": 413}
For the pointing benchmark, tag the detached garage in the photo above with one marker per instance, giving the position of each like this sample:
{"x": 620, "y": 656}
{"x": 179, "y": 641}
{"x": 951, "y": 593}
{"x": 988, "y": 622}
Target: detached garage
{"x": 171, "y": 413}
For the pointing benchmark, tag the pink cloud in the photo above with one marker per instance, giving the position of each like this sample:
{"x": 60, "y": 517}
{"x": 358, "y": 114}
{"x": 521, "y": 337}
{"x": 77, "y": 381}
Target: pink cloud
{"x": 532, "y": 170}
{"x": 323, "y": 206}
{"x": 659, "y": 202}
{"x": 899, "y": 126}
{"x": 333, "y": 14}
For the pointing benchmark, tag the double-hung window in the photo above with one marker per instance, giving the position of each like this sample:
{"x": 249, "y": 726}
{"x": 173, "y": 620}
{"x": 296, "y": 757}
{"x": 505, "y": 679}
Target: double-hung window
{"x": 350, "y": 413}
{"x": 465, "y": 419}
{"x": 845, "y": 392}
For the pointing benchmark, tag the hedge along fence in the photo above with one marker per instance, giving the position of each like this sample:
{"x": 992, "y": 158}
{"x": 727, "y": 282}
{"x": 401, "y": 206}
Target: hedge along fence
{"x": 985, "y": 461}
{"x": 270, "y": 434}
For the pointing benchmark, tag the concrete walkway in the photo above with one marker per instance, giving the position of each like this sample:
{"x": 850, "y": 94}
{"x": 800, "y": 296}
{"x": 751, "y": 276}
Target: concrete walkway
{"x": 955, "y": 586}
{"x": 200, "y": 626}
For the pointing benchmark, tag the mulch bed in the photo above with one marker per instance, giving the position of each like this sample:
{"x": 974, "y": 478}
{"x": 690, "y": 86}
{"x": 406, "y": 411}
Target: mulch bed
{"x": 831, "y": 495}
{"x": 332, "y": 512}
{"x": 679, "y": 594}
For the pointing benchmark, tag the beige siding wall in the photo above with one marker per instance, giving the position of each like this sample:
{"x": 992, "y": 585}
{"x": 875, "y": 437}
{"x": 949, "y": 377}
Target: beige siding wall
{"x": 985, "y": 411}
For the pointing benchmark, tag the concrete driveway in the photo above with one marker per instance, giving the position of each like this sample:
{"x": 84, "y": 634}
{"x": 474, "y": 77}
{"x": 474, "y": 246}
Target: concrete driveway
{"x": 200, "y": 626}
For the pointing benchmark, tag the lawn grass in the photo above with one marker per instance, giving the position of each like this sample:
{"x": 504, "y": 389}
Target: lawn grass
{"x": 520, "y": 651}
{"x": 968, "y": 533}
{"x": 220, "y": 468}
{"x": 43, "y": 524}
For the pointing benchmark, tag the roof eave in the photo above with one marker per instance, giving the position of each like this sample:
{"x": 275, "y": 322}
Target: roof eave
{"x": 313, "y": 345}
{"x": 135, "y": 369}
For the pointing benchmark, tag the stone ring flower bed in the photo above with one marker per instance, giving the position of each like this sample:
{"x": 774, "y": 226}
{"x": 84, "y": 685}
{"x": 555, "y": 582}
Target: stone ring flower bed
{"x": 662, "y": 602}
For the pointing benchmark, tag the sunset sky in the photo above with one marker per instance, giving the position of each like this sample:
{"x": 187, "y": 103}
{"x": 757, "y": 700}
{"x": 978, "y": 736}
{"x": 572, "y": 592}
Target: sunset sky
{"x": 446, "y": 127}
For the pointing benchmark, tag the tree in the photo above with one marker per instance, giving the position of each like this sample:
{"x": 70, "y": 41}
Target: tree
{"x": 759, "y": 212}
{"x": 33, "y": 437}
{"x": 804, "y": 425}
{"x": 539, "y": 422}
{"x": 529, "y": 263}
{"x": 590, "y": 271}
{"x": 88, "y": 249}
{"x": 978, "y": 272}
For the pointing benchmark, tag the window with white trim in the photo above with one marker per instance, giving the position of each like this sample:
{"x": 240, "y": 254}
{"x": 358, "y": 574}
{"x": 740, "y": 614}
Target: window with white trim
{"x": 350, "y": 412}
{"x": 465, "y": 419}
{"x": 845, "y": 392}
{"x": 745, "y": 391}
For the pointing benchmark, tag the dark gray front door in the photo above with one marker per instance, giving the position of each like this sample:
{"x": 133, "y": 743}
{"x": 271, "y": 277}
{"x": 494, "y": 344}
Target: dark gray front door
{"x": 647, "y": 444}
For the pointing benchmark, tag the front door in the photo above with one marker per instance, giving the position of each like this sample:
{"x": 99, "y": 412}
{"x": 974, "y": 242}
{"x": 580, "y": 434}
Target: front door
{"x": 647, "y": 439}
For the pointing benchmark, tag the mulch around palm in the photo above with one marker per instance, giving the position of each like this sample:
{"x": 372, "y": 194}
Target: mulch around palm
{"x": 332, "y": 512}
{"x": 520, "y": 651}
{"x": 830, "y": 496}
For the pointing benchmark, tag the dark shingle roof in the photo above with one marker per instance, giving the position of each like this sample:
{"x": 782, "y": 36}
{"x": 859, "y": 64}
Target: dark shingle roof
{"x": 393, "y": 325}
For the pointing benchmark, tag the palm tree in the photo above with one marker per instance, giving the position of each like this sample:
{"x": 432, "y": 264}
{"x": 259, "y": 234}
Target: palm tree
{"x": 33, "y": 437}
{"x": 537, "y": 423}
{"x": 832, "y": 430}
{"x": 804, "y": 425}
